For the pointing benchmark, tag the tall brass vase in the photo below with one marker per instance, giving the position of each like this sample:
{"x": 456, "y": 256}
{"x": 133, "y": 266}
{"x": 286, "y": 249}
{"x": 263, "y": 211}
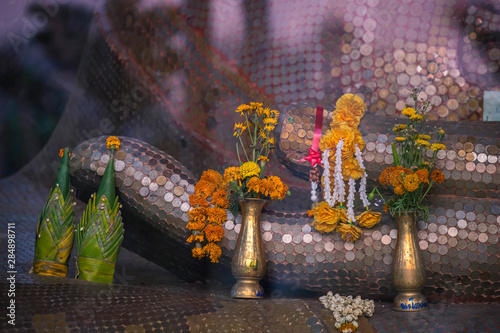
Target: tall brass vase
{"x": 408, "y": 270}
{"x": 249, "y": 257}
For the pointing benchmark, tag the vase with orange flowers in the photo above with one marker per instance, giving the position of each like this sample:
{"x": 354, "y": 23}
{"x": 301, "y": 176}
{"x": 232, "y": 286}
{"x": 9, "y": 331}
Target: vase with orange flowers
{"x": 239, "y": 189}
{"x": 410, "y": 179}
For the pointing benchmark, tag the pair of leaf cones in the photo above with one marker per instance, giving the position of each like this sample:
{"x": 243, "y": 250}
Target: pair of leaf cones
{"x": 98, "y": 235}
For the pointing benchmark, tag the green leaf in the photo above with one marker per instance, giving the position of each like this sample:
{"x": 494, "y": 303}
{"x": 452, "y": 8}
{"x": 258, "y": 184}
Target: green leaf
{"x": 107, "y": 187}
{"x": 395, "y": 154}
{"x": 62, "y": 177}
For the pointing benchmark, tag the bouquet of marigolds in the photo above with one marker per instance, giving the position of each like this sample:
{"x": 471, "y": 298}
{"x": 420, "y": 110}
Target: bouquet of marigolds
{"x": 412, "y": 175}
{"x": 214, "y": 193}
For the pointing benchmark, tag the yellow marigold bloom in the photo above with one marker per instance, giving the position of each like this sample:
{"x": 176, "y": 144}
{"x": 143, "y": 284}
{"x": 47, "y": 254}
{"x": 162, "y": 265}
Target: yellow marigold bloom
{"x": 368, "y": 219}
{"x": 195, "y": 238}
{"x": 353, "y": 103}
{"x": 271, "y": 121}
{"x": 424, "y": 137}
{"x": 349, "y": 232}
{"x": 400, "y": 139}
{"x": 113, "y": 141}
{"x": 437, "y": 146}
{"x": 325, "y": 217}
{"x": 214, "y": 233}
{"x": 239, "y": 128}
{"x": 213, "y": 251}
{"x": 243, "y": 108}
{"x": 399, "y": 189}
{"x": 249, "y": 169}
{"x": 351, "y": 168}
{"x": 346, "y": 117}
{"x": 424, "y": 143}
{"x": 411, "y": 182}
{"x": 231, "y": 174}
{"x": 310, "y": 213}
{"x": 423, "y": 175}
{"x": 198, "y": 252}
{"x": 417, "y": 117}
{"x": 441, "y": 132}
{"x": 216, "y": 215}
{"x": 409, "y": 112}
{"x": 343, "y": 215}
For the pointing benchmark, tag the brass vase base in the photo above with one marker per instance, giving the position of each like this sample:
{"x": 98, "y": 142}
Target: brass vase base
{"x": 247, "y": 288}
{"x": 410, "y": 301}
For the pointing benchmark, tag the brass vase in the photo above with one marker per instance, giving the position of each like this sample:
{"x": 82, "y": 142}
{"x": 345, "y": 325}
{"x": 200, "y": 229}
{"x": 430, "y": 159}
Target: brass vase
{"x": 249, "y": 257}
{"x": 408, "y": 270}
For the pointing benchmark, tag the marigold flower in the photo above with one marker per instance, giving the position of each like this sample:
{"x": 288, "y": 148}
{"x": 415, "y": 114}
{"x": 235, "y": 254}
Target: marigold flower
{"x": 214, "y": 233}
{"x": 441, "y": 132}
{"x": 349, "y": 232}
{"x": 198, "y": 252}
{"x": 368, "y": 219}
{"x": 196, "y": 199}
{"x": 113, "y": 142}
{"x": 417, "y": 117}
{"x": 343, "y": 214}
{"x": 438, "y": 146}
{"x": 409, "y": 112}
{"x": 249, "y": 169}
{"x": 423, "y": 175}
{"x": 424, "y": 137}
{"x": 196, "y": 225}
{"x": 421, "y": 142}
{"x": 216, "y": 215}
{"x": 351, "y": 168}
{"x": 195, "y": 238}
{"x": 437, "y": 176}
{"x": 386, "y": 208}
{"x": 213, "y": 251}
{"x": 398, "y": 128}
{"x": 219, "y": 198}
{"x": 353, "y": 103}
{"x": 326, "y": 218}
{"x": 399, "y": 189}
{"x": 411, "y": 182}
{"x": 310, "y": 213}
{"x": 384, "y": 176}
{"x": 400, "y": 139}
{"x": 231, "y": 174}
{"x": 263, "y": 158}
{"x": 212, "y": 176}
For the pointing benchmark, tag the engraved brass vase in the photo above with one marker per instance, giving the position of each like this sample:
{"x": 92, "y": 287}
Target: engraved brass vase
{"x": 408, "y": 270}
{"x": 249, "y": 257}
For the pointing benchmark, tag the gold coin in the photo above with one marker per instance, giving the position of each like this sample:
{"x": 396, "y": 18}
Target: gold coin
{"x": 442, "y": 90}
{"x": 178, "y": 191}
{"x": 474, "y": 92}
{"x": 379, "y": 62}
{"x": 470, "y": 157}
{"x": 432, "y": 67}
{"x": 463, "y": 111}
{"x": 310, "y": 134}
{"x": 452, "y": 104}
{"x": 462, "y": 97}
{"x": 284, "y": 135}
{"x": 289, "y": 127}
{"x": 448, "y": 81}
{"x": 303, "y": 147}
{"x": 346, "y": 48}
{"x": 336, "y": 71}
{"x": 454, "y": 90}
{"x": 473, "y": 104}
{"x": 294, "y": 145}
{"x": 120, "y": 155}
{"x": 285, "y": 145}
{"x": 388, "y": 68}
{"x": 301, "y": 133}
{"x": 442, "y": 111}
{"x": 310, "y": 110}
{"x": 493, "y": 150}
{"x": 300, "y": 140}
{"x": 452, "y": 117}
{"x": 161, "y": 180}
{"x": 468, "y": 147}
{"x": 461, "y": 153}
{"x": 383, "y": 93}
{"x": 292, "y": 136}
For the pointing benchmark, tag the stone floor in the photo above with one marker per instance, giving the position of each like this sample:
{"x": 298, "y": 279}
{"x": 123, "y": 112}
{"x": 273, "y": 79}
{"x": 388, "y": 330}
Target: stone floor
{"x": 147, "y": 298}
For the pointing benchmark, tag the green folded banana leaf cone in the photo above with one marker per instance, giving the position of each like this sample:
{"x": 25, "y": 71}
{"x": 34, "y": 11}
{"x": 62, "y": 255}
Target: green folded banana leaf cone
{"x": 54, "y": 234}
{"x": 99, "y": 234}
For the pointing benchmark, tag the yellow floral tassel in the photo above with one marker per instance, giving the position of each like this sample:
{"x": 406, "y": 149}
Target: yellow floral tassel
{"x": 368, "y": 219}
{"x": 349, "y": 232}
{"x": 326, "y": 218}
{"x": 348, "y": 328}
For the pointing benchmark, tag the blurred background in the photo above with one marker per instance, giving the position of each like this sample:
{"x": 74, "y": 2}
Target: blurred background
{"x": 203, "y": 58}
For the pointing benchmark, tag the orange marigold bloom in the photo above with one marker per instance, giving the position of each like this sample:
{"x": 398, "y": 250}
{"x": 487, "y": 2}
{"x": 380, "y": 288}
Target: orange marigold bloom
{"x": 198, "y": 252}
{"x": 275, "y": 188}
{"x": 113, "y": 141}
{"x": 61, "y": 152}
{"x": 231, "y": 174}
{"x": 384, "y": 176}
{"x": 198, "y": 214}
{"x": 310, "y": 213}
{"x": 353, "y": 103}
{"x": 437, "y": 176}
{"x": 347, "y": 327}
{"x": 254, "y": 184}
{"x": 196, "y": 225}
{"x": 399, "y": 189}
{"x": 395, "y": 177}
{"x": 411, "y": 182}
{"x": 423, "y": 175}
{"x": 219, "y": 198}
{"x": 205, "y": 188}
{"x": 386, "y": 208}
{"x": 196, "y": 199}
{"x": 368, "y": 219}
{"x": 214, "y": 233}
{"x": 216, "y": 215}
{"x": 195, "y": 238}
{"x": 351, "y": 169}
{"x": 213, "y": 251}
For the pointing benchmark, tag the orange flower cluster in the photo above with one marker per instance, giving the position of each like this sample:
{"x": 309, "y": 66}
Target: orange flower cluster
{"x": 271, "y": 187}
{"x": 205, "y": 219}
{"x": 348, "y": 112}
{"x": 405, "y": 180}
